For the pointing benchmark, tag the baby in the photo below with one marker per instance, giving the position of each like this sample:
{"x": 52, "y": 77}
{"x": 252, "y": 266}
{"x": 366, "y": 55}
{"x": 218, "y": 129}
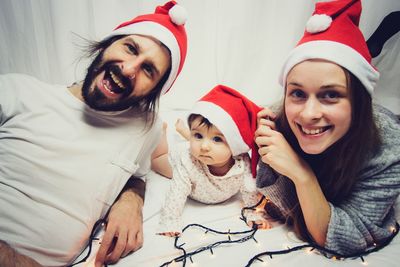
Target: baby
{"x": 215, "y": 164}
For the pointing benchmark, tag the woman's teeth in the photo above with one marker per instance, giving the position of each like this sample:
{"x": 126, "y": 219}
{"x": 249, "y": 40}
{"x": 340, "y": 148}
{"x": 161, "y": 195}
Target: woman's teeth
{"x": 312, "y": 131}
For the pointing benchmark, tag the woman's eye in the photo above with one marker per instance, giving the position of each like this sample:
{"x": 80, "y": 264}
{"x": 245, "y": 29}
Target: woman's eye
{"x": 298, "y": 93}
{"x": 331, "y": 96}
{"x": 217, "y": 139}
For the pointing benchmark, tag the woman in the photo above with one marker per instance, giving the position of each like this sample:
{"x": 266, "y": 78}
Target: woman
{"x": 335, "y": 156}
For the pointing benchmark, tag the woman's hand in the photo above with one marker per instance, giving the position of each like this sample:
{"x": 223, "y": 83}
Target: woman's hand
{"x": 266, "y": 117}
{"x": 275, "y": 151}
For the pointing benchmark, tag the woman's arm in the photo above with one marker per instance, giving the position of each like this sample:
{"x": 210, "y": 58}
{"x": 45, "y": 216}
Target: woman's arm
{"x": 275, "y": 151}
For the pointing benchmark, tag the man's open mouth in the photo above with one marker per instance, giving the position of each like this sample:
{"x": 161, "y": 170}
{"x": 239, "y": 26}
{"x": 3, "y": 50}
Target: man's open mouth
{"x": 113, "y": 83}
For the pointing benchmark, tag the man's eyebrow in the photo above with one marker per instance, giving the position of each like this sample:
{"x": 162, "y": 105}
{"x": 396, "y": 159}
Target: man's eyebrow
{"x": 150, "y": 63}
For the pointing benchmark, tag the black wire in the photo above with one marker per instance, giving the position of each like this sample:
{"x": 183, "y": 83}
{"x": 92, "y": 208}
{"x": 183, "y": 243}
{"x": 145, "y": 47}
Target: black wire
{"x": 252, "y": 232}
{"x": 209, "y": 247}
{"x": 359, "y": 254}
{"x": 189, "y": 255}
{"x": 92, "y": 238}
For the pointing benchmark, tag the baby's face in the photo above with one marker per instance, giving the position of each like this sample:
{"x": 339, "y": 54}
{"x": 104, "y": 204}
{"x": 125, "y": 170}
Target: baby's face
{"x": 208, "y": 145}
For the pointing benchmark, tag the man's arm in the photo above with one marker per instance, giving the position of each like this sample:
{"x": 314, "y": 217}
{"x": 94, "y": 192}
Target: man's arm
{"x": 9, "y": 257}
{"x": 124, "y": 230}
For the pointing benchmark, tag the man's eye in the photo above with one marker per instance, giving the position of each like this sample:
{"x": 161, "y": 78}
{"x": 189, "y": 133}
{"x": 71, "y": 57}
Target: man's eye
{"x": 132, "y": 49}
{"x": 148, "y": 70}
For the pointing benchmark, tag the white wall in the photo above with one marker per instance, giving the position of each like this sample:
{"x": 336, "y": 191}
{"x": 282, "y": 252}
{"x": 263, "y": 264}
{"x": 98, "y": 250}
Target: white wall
{"x": 240, "y": 43}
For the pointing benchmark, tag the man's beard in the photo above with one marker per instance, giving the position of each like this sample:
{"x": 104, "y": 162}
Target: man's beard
{"x": 95, "y": 99}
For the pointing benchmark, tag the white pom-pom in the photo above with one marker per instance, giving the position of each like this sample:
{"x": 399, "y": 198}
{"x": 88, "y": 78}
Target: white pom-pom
{"x": 318, "y": 23}
{"x": 178, "y": 14}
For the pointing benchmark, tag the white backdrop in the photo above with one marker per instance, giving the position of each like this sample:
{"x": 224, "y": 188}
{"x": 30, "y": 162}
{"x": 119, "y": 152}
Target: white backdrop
{"x": 240, "y": 43}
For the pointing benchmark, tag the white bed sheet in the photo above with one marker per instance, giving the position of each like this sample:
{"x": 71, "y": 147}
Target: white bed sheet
{"x": 158, "y": 250}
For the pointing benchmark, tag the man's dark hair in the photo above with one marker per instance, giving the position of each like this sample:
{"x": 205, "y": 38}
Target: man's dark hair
{"x": 148, "y": 105}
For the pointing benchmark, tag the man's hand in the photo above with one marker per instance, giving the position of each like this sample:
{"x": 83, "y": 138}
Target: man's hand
{"x": 9, "y": 257}
{"x": 124, "y": 230}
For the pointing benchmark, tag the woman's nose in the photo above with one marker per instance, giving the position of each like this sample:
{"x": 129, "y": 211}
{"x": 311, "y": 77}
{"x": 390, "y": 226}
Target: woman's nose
{"x": 312, "y": 109}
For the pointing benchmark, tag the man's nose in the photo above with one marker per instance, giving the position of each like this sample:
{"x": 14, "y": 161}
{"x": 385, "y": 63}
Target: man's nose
{"x": 129, "y": 68}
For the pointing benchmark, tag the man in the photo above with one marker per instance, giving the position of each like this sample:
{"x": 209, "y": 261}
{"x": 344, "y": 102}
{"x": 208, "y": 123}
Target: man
{"x": 71, "y": 156}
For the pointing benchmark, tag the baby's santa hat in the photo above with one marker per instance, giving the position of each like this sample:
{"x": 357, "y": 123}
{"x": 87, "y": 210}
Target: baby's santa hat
{"x": 167, "y": 25}
{"x": 235, "y": 116}
{"x": 332, "y": 34}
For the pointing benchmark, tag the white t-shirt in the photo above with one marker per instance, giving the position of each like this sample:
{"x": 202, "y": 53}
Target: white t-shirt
{"x": 62, "y": 165}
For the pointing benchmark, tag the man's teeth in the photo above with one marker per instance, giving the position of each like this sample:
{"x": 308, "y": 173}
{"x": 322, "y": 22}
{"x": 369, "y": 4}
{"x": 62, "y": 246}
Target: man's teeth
{"x": 312, "y": 131}
{"x": 106, "y": 86}
{"x": 116, "y": 80}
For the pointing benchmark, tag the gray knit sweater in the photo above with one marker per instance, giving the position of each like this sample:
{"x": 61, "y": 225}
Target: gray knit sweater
{"x": 367, "y": 215}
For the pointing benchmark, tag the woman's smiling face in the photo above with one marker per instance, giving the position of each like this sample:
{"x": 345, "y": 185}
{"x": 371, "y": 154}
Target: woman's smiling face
{"x": 317, "y": 104}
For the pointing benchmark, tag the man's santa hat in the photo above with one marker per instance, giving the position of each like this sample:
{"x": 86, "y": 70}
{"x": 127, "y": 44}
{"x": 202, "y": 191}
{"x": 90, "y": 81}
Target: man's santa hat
{"x": 332, "y": 34}
{"x": 167, "y": 25}
{"x": 235, "y": 116}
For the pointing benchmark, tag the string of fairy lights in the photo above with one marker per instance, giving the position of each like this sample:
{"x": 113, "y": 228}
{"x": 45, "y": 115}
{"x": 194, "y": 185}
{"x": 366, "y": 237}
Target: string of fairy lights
{"x": 243, "y": 236}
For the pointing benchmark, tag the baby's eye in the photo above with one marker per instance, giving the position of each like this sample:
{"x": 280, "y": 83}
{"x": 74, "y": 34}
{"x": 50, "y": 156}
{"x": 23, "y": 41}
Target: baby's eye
{"x": 197, "y": 136}
{"x": 217, "y": 139}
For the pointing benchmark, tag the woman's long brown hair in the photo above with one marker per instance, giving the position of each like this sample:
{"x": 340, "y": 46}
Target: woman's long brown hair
{"x": 337, "y": 168}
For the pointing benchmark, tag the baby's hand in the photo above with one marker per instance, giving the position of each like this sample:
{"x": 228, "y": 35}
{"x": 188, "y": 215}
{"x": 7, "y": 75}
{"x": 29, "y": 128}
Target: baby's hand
{"x": 179, "y": 125}
{"x": 170, "y": 234}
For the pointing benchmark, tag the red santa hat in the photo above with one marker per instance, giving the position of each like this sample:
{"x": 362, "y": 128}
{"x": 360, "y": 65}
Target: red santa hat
{"x": 167, "y": 25}
{"x": 332, "y": 34}
{"x": 235, "y": 116}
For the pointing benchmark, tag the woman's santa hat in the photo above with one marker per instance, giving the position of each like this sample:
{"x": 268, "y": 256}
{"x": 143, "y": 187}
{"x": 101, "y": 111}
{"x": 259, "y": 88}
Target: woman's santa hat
{"x": 235, "y": 116}
{"x": 167, "y": 25}
{"x": 332, "y": 34}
